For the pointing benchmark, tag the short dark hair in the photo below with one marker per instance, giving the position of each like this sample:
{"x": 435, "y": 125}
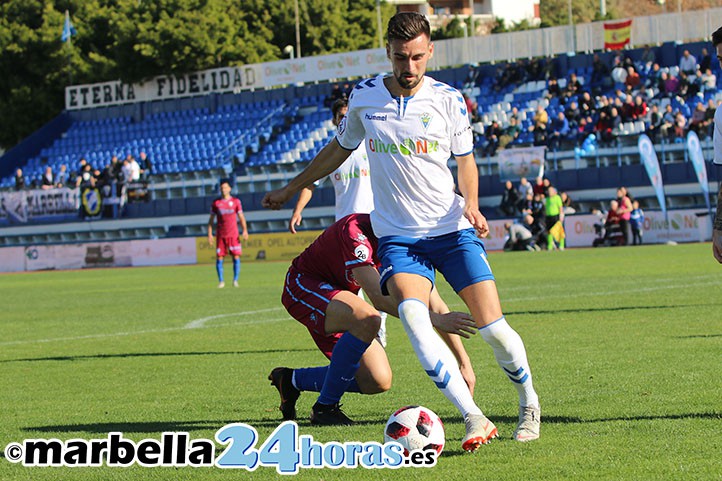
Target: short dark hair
{"x": 407, "y": 26}
{"x": 338, "y": 105}
{"x": 717, "y": 37}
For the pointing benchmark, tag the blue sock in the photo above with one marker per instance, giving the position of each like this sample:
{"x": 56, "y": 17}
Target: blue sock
{"x": 344, "y": 364}
{"x": 219, "y": 269}
{"x": 311, "y": 379}
{"x": 236, "y": 268}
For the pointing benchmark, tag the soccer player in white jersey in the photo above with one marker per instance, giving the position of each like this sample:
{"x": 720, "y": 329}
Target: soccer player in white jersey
{"x": 717, "y": 226}
{"x": 352, "y": 186}
{"x": 351, "y": 181}
{"x": 412, "y": 125}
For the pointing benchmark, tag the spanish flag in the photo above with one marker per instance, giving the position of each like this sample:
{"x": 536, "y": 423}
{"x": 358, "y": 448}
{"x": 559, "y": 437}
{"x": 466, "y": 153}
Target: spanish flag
{"x": 617, "y": 34}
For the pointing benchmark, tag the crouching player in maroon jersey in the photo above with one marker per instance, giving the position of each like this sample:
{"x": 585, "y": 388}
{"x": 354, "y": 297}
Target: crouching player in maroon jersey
{"x": 228, "y": 210}
{"x": 321, "y": 292}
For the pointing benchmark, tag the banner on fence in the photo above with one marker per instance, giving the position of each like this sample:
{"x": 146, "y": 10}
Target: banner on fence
{"x": 523, "y": 162}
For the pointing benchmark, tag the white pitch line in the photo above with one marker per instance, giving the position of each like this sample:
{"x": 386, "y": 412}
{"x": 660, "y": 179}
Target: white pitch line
{"x": 154, "y": 331}
{"x": 202, "y": 321}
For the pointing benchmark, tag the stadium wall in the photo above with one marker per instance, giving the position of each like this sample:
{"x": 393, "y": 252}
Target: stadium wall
{"x": 690, "y": 225}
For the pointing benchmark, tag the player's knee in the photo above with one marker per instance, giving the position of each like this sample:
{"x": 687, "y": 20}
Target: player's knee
{"x": 375, "y": 384}
{"x": 368, "y": 326}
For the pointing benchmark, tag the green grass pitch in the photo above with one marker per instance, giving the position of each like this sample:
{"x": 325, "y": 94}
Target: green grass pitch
{"x": 625, "y": 345}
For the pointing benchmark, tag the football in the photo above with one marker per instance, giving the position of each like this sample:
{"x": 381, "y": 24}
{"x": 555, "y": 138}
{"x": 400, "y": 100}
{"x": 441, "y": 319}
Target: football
{"x": 415, "y": 427}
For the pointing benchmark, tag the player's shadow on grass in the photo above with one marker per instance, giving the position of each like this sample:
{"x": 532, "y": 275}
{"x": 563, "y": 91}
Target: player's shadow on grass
{"x": 177, "y": 426}
{"x": 154, "y": 354}
{"x": 603, "y": 309}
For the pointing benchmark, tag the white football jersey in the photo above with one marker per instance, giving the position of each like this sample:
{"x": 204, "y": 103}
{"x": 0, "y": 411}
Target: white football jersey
{"x": 718, "y": 136}
{"x": 352, "y": 185}
{"x": 409, "y": 142}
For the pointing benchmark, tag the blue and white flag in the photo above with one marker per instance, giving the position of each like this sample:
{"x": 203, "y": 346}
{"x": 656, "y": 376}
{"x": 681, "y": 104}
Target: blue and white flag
{"x": 697, "y": 158}
{"x": 68, "y": 29}
{"x": 651, "y": 164}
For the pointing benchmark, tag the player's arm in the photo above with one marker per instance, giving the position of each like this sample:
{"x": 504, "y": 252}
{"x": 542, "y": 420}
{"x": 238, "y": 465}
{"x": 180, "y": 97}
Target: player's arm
{"x": 327, "y": 160}
{"x": 454, "y": 342}
{"x": 469, "y": 188}
{"x": 452, "y": 322}
{"x": 303, "y": 199}
{"x": 717, "y": 230}
{"x": 244, "y": 226}
{"x": 210, "y": 229}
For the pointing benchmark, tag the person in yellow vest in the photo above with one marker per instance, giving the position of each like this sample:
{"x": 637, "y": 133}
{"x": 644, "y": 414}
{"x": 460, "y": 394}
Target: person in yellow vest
{"x": 554, "y": 210}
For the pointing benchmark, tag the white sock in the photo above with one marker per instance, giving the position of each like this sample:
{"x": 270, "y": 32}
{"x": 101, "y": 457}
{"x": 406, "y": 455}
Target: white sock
{"x": 435, "y": 356}
{"x": 511, "y": 356}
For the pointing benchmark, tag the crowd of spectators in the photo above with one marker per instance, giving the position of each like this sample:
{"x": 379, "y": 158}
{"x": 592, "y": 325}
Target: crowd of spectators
{"x": 535, "y": 210}
{"x": 664, "y": 102}
{"x": 114, "y": 172}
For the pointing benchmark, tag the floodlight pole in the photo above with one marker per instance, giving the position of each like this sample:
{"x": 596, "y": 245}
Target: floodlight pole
{"x": 298, "y": 32}
{"x": 378, "y": 23}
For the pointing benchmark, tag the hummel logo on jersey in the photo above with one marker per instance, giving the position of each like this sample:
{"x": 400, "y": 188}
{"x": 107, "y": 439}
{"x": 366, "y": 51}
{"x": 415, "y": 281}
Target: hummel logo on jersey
{"x": 381, "y": 118}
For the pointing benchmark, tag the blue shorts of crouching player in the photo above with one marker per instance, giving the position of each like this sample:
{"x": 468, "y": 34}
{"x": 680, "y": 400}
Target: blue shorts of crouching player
{"x": 460, "y": 256}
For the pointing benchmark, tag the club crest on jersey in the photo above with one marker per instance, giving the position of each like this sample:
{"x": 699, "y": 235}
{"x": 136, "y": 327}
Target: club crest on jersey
{"x": 425, "y": 120}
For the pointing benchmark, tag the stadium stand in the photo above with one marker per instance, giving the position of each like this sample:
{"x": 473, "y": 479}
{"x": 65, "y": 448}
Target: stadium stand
{"x": 263, "y": 138}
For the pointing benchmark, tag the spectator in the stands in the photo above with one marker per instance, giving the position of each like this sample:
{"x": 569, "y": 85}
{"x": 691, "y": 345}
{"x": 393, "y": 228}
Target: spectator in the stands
{"x": 86, "y": 178}
{"x": 680, "y": 127}
{"x": 668, "y": 120}
{"x": 568, "y": 205}
{"x": 134, "y": 168}
{"x": 574, "y": 86}
{"x": 619, "y": 73}
{"x": 627, "y": 110}
{"x": 652, "y": 82}
{"x": 687, "y": 63}
{"x": 709, "y": 81}
{"x": 509, "y": 200}
{"x": 587, "y": 105}
{"x": 633, "y": 79}
{"x": 603, "y": 127}
{"x": 539, "y": 127}
{"x": 670, "y": 85}
{"x": 510, "y": 133}
{"x": 654, "y": 122}
{"x": 708, "y": 123}
{"x": 559, "y": 131}
{"x": 538, "y": 186}
{"x": 640, "y": 108}
{"x": 553, "y": 89}
{"x": 61, "y": 179}
{"x": 492, "y": 134}
{"x": 146, "y": 166}
{"x": 697, "y": 122}
{"x": 648, "y": 58}
{"x": 684, "y": 85}
{"x": 600, "y": 73}
{"x": 705, "y": 61}
{"x": 48, "y": 180}
{"x": 573, "y": 115}
{"x": 19, "y": 180}
{"x": 525, "y": 188}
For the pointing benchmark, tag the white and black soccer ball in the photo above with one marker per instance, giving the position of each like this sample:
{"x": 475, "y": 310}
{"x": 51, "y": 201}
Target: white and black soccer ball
{"x": 416, "y": 427}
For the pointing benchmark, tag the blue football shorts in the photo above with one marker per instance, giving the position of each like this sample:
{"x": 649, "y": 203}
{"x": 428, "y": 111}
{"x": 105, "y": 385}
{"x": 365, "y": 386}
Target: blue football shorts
{"x": 460, "y": 256}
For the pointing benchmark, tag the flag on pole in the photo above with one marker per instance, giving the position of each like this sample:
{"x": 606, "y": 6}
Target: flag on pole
{"x": 68, "y": 29}
{"x": 697, "y": 158}
{"x": 651, "y": 165}
{"x": 617, "y": 34}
